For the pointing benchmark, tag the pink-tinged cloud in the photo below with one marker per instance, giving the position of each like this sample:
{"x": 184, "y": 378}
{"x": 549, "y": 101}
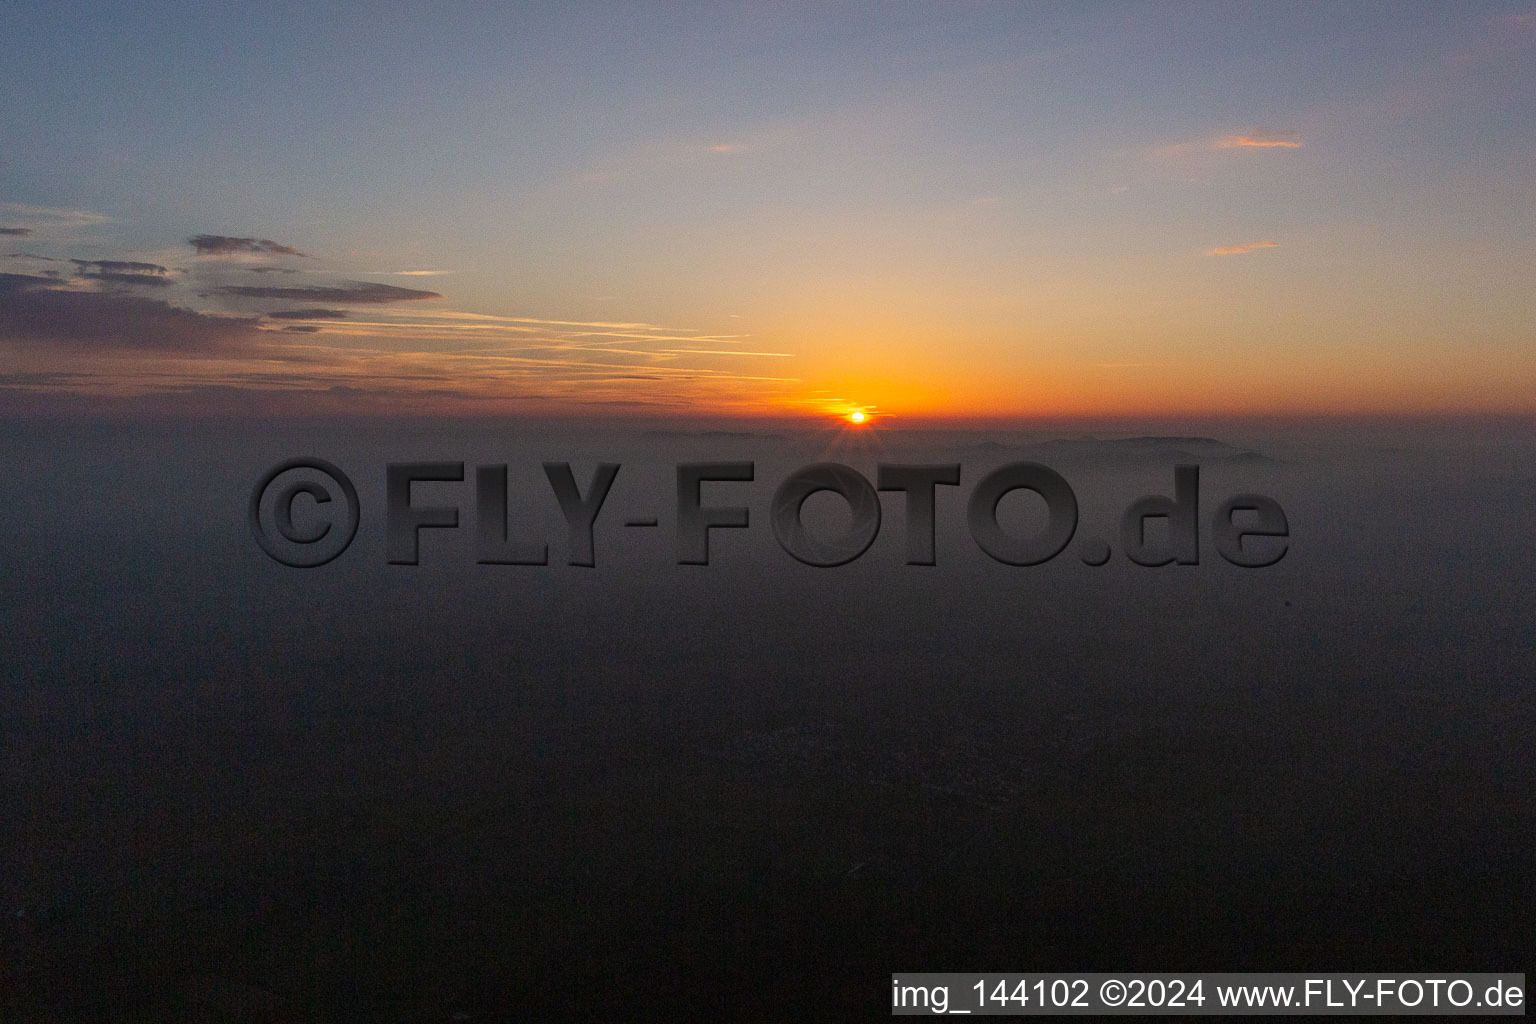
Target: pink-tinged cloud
{"x": 1263, "y": 138}
{"x": 1238, "y": 250}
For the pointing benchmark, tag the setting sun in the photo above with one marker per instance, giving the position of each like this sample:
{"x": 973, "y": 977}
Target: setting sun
{"x": 857, "y": 416}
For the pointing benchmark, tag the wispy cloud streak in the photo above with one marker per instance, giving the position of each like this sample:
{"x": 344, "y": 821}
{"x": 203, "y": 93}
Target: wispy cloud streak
{"x": 1238, "y": 250}
{"x": 1263, "y": 138}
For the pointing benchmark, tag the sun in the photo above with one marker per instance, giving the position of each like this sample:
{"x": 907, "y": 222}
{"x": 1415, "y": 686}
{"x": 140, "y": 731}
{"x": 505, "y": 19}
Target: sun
{"x": 857, "y": 416}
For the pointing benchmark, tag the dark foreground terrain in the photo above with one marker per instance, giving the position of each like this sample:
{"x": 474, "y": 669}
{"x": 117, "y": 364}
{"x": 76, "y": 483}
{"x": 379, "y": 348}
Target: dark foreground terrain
{"x": 234, "y": 791}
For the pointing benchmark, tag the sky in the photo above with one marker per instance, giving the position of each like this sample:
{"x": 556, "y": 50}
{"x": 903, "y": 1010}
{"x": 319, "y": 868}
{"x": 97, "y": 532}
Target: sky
{"x": 917, "y": 210}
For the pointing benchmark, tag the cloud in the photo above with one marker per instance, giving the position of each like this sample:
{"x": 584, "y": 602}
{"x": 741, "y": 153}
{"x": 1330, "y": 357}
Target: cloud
{"x": 19, "y": 232}
{"x": 419, "y": 273}
{"x": 622, "y": 325}
{"x": 309, "y": 314}
{"x": 224, "y": 245}
{"x": 120, "y": 267}
{"x": 40, "y": 311}
{"x": 144, "y": 280}
{"x": 1263, "y": 138}
{"x": 350, "y": 293}
{"x": 125, "y": 272}
{"x": 1238, "y": 250}
{"x": 302, "y": 337}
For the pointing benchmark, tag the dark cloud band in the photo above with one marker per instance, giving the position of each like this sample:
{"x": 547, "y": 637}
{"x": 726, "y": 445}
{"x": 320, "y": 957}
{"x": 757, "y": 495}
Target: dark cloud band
{"x": 128, "y": 272}
{"x": 226, "y": 245}
{"x": 348, "y": 293}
